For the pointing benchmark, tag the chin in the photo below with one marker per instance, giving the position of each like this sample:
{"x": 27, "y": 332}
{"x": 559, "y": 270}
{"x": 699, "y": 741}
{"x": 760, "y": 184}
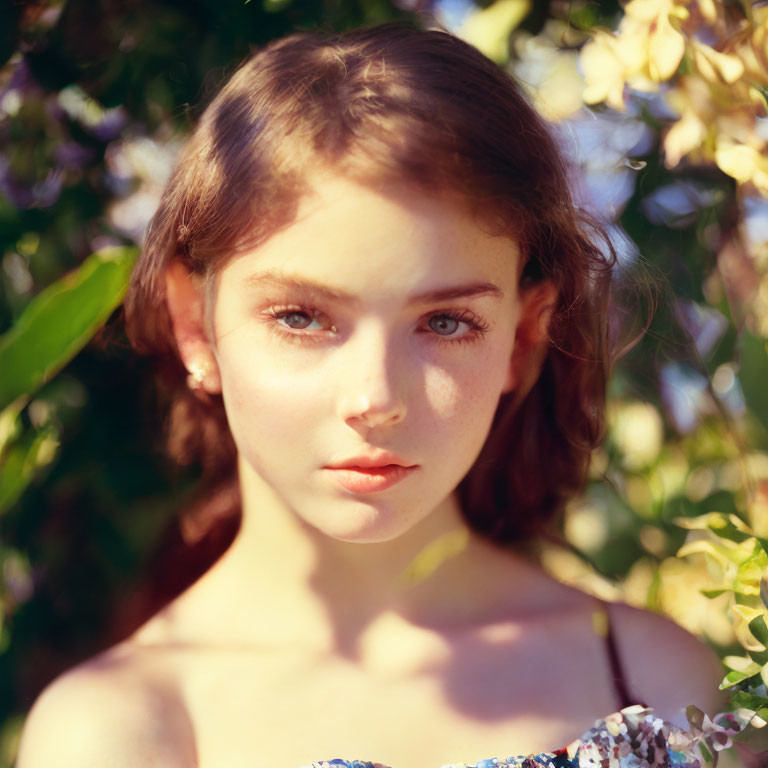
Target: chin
{"x": 365, "y": 524}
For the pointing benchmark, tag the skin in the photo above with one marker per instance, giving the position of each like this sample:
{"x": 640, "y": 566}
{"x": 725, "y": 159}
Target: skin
{"x": 304, "y": 642}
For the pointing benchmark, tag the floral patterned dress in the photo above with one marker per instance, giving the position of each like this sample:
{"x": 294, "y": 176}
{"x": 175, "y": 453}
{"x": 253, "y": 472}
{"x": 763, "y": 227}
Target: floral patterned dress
{"x": 631, "y": 738}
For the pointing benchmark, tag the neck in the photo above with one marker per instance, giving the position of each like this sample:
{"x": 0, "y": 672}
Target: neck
{"x": 291, "y": 584}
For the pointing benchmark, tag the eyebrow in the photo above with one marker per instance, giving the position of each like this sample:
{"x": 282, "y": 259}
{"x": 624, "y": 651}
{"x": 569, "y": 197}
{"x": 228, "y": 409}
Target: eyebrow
{"x": 313, "y": 288}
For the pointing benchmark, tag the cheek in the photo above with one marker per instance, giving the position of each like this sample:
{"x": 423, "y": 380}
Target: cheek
{"x": 461, "y": 406}
{"x": 443, "y": 392}
{"x": 267, "y": 404}
{"x": 465, "y": 395}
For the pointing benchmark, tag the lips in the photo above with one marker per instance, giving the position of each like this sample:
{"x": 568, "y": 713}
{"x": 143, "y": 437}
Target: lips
{"x": 373, "y": 460}
{"x": 371, "y": 479}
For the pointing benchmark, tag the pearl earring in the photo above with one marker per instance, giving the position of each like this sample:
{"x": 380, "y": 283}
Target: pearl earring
{"x": 197, "y": 375}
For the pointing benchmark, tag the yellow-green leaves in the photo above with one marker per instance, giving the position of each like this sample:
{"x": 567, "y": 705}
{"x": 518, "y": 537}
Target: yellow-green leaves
{"x": 738, "y": 560}
{"x": 488, "y": 29}
{"x": 53, "y": 328}
{"x": 717, "y": 90}
{"x": 59, "y": 322}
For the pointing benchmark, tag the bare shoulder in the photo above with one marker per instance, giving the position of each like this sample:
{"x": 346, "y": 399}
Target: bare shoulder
{"x": 666, "y": 666}
{"x": 107, "y": 712}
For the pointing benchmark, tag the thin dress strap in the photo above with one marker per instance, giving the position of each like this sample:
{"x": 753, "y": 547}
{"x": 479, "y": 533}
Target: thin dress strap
{"x": 604, "y": 627}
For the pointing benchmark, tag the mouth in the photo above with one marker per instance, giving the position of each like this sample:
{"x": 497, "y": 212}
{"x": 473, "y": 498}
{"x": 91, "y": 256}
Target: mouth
{"x": 359, "y": 479}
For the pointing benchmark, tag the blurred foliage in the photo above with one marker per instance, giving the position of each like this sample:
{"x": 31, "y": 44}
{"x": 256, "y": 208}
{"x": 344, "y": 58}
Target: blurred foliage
{"x": 58, "y": 323}
{"x": 661, "y": 107}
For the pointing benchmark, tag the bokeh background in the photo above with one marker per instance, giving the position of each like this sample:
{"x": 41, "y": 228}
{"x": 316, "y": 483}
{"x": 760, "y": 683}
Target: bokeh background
{"x": 661, "y": 108}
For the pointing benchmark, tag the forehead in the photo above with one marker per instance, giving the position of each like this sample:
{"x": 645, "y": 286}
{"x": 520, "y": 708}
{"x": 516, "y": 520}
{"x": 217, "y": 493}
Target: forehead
{"x": 379, "y": 239}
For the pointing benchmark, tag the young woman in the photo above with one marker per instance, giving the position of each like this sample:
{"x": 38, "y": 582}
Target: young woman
{"x": 376, "y": 305}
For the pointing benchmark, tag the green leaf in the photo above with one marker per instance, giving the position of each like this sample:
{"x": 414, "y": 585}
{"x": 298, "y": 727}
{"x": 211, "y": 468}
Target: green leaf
{"x": 10, "y": 424}
{"x": 728, "y": 527}
{"x": 723, "y": 551}
{"x": 747, "y": 611}
{"x": 734, "y": 677}
{"x": 753, "y": 373}
{"x": 21, "y": 461}
{"x": 760, "y": 657}
{"x": 706, "y": 754}
{"x": 712, "y": 593}
{"x": 741, "y": 664}
{"x": 758, "y": 704}
{"x": 759, "y": 629}
{"x": 750, "y": 572}
{"x": 61, "y": 320}
{"x": 729, "y": 531}
{"x": 703, "y": 522}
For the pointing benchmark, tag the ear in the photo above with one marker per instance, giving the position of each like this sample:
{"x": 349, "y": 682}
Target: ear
{"x": 537, "y": 304}
{"x": 186, "y": 306}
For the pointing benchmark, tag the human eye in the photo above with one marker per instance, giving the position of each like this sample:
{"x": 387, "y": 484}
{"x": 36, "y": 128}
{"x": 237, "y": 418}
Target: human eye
{"x": 298, "y": 323}
{"x": 456, "y": 326}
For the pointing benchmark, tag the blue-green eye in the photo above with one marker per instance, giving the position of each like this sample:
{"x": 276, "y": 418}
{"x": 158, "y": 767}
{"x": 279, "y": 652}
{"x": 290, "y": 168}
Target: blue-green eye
{"x": 444, "y": 325}
{"x": 300, "y": 324}
{"x": 295, "y": 319}
{"x": 303, "y": 320}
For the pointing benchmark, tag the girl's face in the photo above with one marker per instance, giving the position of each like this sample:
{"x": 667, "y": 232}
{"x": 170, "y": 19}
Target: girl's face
{"x": 378, "y": 325}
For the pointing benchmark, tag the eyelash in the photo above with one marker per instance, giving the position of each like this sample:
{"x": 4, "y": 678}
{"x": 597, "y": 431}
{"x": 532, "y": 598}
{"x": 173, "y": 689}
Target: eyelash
{"x": 477, "y": 327}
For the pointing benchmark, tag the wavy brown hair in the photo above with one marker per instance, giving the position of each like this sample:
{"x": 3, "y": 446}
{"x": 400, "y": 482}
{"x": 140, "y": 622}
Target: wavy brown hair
{"x": 424, "y": 109}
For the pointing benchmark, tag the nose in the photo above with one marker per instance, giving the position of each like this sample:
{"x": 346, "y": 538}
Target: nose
{"x": 370, "y": 386}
